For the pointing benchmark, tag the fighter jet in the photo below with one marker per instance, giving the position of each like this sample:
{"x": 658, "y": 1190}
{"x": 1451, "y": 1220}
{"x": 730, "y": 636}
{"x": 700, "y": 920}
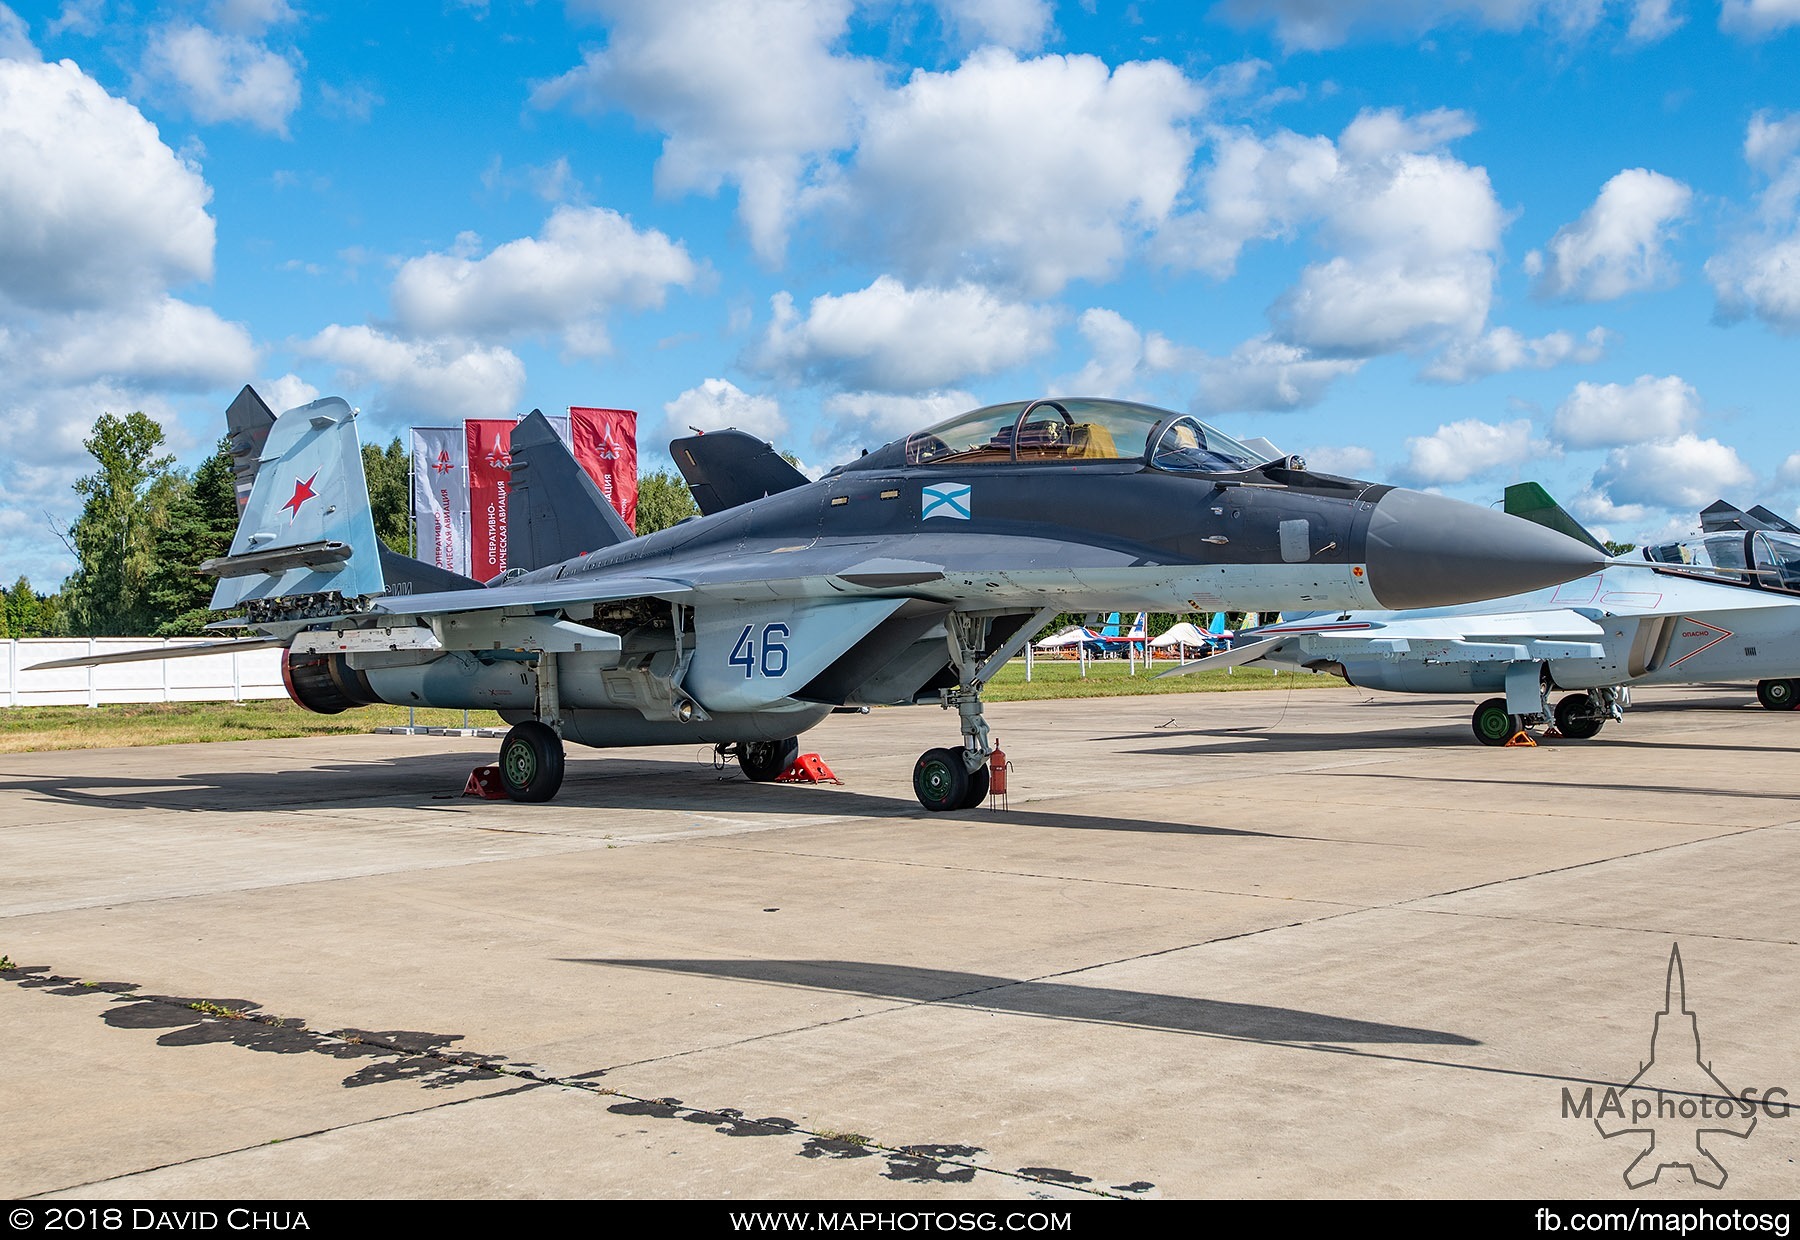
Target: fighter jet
{"x": 1724, "y": 606}
{"x": 1725, "y": 557}
{"x": 909, "y": 575}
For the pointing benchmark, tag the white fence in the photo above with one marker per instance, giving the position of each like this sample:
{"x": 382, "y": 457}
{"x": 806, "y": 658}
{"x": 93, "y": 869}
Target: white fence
{"x": 226, "y": 677}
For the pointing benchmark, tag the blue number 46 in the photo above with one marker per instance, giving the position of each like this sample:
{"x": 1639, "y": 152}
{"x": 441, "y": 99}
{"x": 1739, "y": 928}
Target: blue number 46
{"x": 769, "y": 655}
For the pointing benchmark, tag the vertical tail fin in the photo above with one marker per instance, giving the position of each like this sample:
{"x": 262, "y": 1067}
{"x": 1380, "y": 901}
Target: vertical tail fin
{"x": 247, "y": 423}
{"x": 306, "y": 527}
{"x": 1532, "y": 502}
{"x": 726, "y": 468}
{"x": 555, "y": 511}
{"x": 1774, "y": 520}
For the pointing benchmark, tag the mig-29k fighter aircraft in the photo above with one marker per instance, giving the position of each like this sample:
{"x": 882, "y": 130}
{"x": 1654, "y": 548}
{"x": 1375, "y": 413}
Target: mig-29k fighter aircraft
{"x": 910, "y": 575}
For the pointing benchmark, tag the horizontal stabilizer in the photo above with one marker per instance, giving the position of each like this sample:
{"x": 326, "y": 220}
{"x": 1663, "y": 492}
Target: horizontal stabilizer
{"x": 1532, "y": 502}
{"x": 727, "y": 468}
{"x": 279, "y": 559}
{"x": 555, "y": 511}
{"x": 404, "y": 575}
{"x": 240, "y": 645}
{"x": 1237, "y": 656}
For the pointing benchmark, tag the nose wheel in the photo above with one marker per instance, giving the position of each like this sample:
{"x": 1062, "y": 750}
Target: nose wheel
{"x": 942, "y": 781}
{"x": 1492, "y": 725}
{"x": 531, "y": 762}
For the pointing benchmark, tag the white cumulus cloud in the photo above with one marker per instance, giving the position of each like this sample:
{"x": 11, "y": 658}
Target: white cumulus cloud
{"x": 15, "y": 37}
{"x": 1680, "y": 475}
{"x": 1603, "y": 415}
{"x": 99, "y": 223}
{"x": 1021, "y": 173}
{"x": 1415, "y": 230}
{"x": 1348, "y": 460}
{"x": 1458, "y": 451}
{"x": 586, "y": 261}
{"x": 891, "y": 338}
{"x": 1758, "y": 19}
{"x": 1020, "y": 24}
{"x": 224, "y": 77}
{"x": 720, "y": 403}
{"x": 747, "y": 92}
{"x": 423, "y": 380}
{"x": 1313, "y": 25}
{"x": 94, "y": 209}
{"x": 1758, "y": 272}
{"x": 1652, "y": 20}
{"x": 162, "y": 344}
{"x": 1618, "y": 246}
{"x": 1255, "y": 189}
{"x": 1269, "y": 375}
{"x": 1505, "y": 349}
{"x": 288, "y": 392}
{"x": 886, "y": 414}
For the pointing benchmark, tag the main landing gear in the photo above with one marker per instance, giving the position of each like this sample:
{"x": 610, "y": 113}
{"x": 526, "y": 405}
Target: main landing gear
{"x": 531, "y": 762}
{"x": 763, "y": 761}
{"x": 948, "y": 779}
{"x": 531, "y": 756}
{"x": 1578, "y": 716}
{"x": 1778, "y": 694}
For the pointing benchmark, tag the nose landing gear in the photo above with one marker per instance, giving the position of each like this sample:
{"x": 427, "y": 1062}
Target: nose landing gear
{"x": 948, "y": 779}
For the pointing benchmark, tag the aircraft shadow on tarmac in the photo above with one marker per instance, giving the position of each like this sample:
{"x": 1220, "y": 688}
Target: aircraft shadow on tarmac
{"x": 624, "y": 784}
{"x": 1054, "y": 1000}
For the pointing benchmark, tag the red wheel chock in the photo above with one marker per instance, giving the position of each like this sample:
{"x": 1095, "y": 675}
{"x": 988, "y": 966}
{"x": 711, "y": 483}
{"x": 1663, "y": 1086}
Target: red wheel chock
{"x": 808, "y": 768}
{"x": 484, "y": 782}
{"x": 1520, "y": 740}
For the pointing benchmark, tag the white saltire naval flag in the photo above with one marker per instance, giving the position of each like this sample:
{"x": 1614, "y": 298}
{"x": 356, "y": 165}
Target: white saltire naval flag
{"x": 947, "y": 499}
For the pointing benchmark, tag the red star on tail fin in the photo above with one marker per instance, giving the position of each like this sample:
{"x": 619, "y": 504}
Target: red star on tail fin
{"x": 303, "y": 491}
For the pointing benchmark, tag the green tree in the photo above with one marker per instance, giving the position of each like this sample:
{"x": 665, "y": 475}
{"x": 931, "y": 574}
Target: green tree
{"x": 1618, "y": 548}
{"x": 113, "y": 538}
{"x": 28, "y": 613}
{"x": 202, "y": 517}
{"x": 663, "y": 499}
{"x": 389, "y": 473}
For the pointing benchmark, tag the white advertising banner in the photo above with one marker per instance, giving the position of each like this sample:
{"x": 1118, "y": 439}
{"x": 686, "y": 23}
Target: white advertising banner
{"x": 440, "y": 491}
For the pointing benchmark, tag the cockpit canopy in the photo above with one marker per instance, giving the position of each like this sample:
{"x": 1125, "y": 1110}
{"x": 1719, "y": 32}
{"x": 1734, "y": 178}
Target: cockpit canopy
{"x": 1766, "y": 558}
{"x": 1071, "y": 429}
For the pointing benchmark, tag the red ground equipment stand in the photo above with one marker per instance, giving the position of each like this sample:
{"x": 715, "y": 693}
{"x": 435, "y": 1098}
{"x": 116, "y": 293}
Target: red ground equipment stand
{"x": 808, "y": 768}
{"x": 484, "y": 782}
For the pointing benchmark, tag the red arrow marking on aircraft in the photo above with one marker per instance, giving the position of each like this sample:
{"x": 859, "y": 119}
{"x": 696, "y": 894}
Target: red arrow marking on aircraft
{"x": 1722, "y": 635}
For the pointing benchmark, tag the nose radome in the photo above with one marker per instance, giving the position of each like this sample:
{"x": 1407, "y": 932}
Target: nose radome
{"x": 1430, "y": 551}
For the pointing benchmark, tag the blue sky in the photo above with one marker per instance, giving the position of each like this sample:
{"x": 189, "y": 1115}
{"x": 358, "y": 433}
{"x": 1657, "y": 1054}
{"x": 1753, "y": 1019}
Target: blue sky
{"x": 1446, "y": 243}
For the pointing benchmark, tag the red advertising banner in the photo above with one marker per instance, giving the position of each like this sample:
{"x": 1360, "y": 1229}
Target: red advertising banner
{"x": 490, "y": 453}
{"x": 605, "y": 442}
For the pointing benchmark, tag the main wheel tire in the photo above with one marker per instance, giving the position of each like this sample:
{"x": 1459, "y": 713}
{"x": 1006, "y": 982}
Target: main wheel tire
{"x": 1778, "y": 694}
{"x": 978, "y": 787}
{"x": 766, "y": 760}
{"x": 531, "y": 762}
{"x": 1493, "y": 726}
{"x": 940, "y": 780}
{"x": 1575, "y": 718}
